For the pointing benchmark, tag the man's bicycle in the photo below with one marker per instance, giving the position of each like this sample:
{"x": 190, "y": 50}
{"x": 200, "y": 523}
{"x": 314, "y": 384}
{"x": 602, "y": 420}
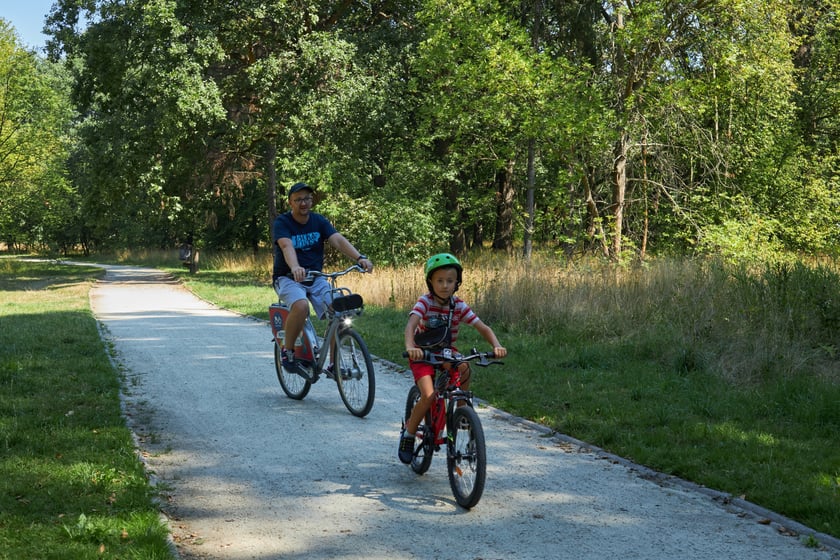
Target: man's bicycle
{"x": 350, "y": 363}
{"x": 452, "y": 422}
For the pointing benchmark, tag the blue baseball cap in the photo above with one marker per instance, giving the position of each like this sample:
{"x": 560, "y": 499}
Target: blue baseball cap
{"x": 299, "y": 187}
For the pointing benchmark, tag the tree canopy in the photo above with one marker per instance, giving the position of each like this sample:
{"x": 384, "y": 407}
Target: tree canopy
{"x": 38, "y": 206}
{"x": 622, "y": 127}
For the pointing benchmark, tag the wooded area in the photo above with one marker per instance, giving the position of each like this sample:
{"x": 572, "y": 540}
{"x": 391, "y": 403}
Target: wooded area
{"x": 621, "y": 128}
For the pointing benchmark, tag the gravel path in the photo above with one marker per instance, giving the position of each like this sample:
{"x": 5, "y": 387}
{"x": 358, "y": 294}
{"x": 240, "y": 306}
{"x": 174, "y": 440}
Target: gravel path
{"x": 248, "y": 473}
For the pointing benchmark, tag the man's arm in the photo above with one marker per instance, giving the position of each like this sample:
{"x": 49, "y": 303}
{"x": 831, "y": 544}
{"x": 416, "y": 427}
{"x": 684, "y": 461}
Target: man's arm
{"x": 290, "y": 255}
{"x": 340, "y": 242}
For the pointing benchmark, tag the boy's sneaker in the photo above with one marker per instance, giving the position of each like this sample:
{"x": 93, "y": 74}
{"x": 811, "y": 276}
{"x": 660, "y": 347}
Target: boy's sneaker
{"x": 406, "y": 449}
{"x": 291, "y": 365}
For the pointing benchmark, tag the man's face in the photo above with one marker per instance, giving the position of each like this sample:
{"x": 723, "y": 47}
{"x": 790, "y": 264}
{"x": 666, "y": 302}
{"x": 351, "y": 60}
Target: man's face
{"x": 301, "y": 203}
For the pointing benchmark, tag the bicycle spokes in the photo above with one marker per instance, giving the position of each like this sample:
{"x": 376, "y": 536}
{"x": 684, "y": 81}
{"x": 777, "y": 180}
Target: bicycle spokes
{"x": 466, "y": 457}
{"x": 350, "y": 362}
{"x": 351, "y": 368}
{"x": 355, "y": 367}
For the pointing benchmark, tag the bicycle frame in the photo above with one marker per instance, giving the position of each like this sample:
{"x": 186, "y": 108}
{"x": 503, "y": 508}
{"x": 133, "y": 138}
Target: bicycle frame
{"x": 448, "y": 394}
{"x": 339, "y": 315}
{"x": 343, "y": 348}
{"x": 452, "y": 420}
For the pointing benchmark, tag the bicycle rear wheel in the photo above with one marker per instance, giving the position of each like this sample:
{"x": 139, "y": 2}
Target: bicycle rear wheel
{"x": 354, "y": 373}
{"x": 295, "y": 386}
{"x": 466, "y": 458}
{"x": 424, "y": 449}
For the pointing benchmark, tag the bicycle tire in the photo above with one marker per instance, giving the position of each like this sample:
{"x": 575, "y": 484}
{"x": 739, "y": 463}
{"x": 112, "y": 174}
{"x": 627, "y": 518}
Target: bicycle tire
{"x": 424, "y": 449}
{"x": 295, "y": 386}
{"x": 354, "y": 373}
{"x": 466, "y": 457}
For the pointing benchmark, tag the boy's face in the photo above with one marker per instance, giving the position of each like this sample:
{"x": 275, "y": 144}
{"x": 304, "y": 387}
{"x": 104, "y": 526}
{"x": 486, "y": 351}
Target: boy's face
{"x": 444, "y": 281}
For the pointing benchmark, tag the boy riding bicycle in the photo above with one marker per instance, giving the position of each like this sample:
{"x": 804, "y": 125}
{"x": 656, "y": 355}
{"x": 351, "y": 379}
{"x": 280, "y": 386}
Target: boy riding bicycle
{"x": 438, "y": 314}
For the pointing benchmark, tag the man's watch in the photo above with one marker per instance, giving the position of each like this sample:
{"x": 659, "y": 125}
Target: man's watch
{"x": 360, "y": 257}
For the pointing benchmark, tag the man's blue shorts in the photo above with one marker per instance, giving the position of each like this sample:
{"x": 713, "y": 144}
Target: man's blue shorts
{"x": 318, "y": 293}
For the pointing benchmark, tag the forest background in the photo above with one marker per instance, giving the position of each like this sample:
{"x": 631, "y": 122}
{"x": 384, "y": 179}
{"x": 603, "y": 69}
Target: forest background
{"x": 620, "y": 128}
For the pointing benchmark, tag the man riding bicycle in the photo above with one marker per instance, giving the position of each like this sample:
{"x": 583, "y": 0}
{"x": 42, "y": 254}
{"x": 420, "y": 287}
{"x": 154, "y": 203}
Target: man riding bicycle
{"x": 298, "y": 237}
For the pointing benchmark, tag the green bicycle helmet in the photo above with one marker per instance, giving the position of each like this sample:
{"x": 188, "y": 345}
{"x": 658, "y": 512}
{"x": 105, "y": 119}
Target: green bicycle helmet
{"x": 442, "y": 260}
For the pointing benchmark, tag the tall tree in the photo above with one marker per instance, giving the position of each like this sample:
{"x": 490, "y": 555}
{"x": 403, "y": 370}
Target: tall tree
{"x": 37, "y": 204}
{"x": 487, "y": 94}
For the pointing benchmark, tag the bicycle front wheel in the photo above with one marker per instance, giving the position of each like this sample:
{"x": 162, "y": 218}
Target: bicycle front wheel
{"x": 354, "y": 373}
{"x": 295, "y": 386}
{"x": 466, "y": 458}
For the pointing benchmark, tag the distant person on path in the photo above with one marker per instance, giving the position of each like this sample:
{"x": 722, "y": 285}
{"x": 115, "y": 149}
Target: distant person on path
{"x": 438, "y": 309}
{"x": 298, "y": 237}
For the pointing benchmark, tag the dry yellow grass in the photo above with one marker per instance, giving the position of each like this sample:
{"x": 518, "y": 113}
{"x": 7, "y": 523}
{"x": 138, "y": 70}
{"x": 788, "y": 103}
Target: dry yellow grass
{"x": 734, "y": 320}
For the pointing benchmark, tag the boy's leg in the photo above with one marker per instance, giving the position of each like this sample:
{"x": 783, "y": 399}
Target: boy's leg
{"x": 423, "y": 378}
{"x": 427, "y": 393}
{"x": 465, "y": 371}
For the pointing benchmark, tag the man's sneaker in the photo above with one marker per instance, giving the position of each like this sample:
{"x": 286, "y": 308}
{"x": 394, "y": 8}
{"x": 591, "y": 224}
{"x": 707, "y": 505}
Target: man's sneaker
{"x": 406, "y": 449}
{"x": 291, "y": 365}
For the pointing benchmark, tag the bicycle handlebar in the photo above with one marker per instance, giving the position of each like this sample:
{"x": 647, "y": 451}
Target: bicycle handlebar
{"x": 446, "y": 355}
{"x": 313, "y": 274}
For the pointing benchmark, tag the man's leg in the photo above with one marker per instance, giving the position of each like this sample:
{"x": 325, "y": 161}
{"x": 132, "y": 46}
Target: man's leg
{"x": 298, "y": 312}
{"x": 294, "y": 295}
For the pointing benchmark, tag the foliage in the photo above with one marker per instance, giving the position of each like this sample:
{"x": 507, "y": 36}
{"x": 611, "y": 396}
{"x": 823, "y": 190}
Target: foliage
{"x": 635, "y": 128}
{"x": 148, "y": 112}
{"x": 397, "y": 232}
{"x": 38, "y": 207}
{"x": 484, "y": 93}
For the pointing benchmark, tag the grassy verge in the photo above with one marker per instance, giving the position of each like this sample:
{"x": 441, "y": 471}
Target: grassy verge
{"x": 72, "y": 486}
{"x": 720, "y": 375}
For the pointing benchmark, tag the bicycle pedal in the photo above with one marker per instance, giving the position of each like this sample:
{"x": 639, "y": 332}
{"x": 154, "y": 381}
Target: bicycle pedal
{"x": 306, "y": 373}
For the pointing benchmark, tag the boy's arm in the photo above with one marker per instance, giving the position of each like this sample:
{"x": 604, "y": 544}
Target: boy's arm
{"x": 487, "y": 333}
{"x": 414, "y": 353}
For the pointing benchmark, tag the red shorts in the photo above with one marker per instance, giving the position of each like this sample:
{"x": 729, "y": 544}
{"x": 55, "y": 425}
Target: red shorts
{"x": 420, "y": 369}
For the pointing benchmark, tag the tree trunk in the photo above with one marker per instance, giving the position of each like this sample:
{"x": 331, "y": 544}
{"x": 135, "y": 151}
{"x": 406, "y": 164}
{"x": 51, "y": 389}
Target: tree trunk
{"x": 619, "y": 187}
{"x": 271, "y": 182}
{"x": 595, "y": 225}
{"x": 532, "y": 148}
{"x": 619, "y": 165}
{"x": 503, "y": 236}
{"x": 529, "y": 211}
{"x": 457, "y": 237}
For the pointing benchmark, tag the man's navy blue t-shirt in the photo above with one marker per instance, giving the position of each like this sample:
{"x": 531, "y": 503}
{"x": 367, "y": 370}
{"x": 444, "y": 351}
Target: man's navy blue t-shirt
{"x": 308, "y": 240}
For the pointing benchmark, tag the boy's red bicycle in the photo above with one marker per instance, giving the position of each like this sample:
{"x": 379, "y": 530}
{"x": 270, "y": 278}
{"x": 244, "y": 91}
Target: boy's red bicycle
{"x": 452, "y": 421}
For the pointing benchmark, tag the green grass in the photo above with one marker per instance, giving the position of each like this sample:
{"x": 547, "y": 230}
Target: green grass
{"x": 723, "y": 376}
{"x": 719, "y": 375}
{"x": 72, "y": 486}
